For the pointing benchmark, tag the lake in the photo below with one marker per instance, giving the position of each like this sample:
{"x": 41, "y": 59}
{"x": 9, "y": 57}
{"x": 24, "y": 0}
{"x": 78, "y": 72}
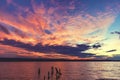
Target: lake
{"x": 69, "y": 70}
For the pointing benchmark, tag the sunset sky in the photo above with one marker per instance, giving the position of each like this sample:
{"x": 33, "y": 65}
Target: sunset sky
{"x": 60, "y": 29}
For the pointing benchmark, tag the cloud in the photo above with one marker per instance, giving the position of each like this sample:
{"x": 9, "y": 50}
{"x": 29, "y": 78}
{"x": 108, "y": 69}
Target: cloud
{"x": 3, "y": 29}
{"x": 12, "y": 30}
{"x": 65, "y": 50}
{"x": 57, "y": 26}
{"x": 7, "y": 51}
{"x": 35, "y": 23}
{"x": 97, "y": 45}
{"x": 9, "y": 1}
{"x": 47, "y": 31}
{"x": 116, "y": 32}
{"x": 115, "y": 57}
{"x": 113, "y": 50}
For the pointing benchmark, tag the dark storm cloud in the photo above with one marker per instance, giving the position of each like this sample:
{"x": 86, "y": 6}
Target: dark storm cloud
{"x": 67, "y": 50}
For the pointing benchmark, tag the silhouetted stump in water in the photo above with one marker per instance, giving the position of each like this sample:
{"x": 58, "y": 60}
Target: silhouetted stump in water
{"x": 52, "y": 75}
{"x": 56, "y": 70}
{"x": 60, "y": 72}
{"x": 38, "y": 72}
{"x": 52, "y": 71}
{"x": 44, "y": 77}
{"x": 58, "y": 76}
{"x": 48, "y": 75}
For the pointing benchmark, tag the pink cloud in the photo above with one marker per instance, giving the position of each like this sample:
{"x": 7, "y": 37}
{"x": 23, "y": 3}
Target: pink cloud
{"x": 9, "y": 1}
{"x": 65, "y": 29}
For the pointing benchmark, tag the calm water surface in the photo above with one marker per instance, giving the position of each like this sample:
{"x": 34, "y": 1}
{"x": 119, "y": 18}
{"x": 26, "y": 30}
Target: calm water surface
{"x": 70, "y": 70}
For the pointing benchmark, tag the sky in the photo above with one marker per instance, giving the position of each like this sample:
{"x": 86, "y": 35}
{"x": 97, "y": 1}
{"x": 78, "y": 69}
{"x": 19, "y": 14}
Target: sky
{"x": 60, "y": 29}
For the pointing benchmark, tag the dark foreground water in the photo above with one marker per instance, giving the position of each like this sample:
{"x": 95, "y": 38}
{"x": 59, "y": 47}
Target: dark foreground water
{"x": 69, "y": 70}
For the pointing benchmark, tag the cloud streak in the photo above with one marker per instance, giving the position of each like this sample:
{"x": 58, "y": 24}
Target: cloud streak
{"x": 65, "y": 50}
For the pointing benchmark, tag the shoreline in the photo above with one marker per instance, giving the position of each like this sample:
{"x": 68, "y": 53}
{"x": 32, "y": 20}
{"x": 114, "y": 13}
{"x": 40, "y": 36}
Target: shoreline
{"x": 50, "y": 60}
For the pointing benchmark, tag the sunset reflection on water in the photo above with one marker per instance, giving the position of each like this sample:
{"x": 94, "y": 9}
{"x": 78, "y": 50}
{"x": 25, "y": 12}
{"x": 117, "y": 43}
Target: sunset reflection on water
{"x": 69, "y": 70}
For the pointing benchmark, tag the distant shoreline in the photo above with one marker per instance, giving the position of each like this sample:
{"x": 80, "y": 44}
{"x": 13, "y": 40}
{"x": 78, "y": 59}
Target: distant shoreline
{"x": 49, "y": 60}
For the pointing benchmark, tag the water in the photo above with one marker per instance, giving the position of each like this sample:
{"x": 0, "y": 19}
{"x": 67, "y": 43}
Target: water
{"x": 70, "y": 70}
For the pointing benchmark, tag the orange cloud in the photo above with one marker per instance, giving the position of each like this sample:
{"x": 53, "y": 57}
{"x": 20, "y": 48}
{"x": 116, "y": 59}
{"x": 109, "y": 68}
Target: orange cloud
{"x": 62, "y": 29}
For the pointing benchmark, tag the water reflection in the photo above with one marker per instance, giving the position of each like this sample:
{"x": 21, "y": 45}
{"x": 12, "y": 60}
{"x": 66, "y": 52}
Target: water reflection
{"x": 59, "y": 70}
